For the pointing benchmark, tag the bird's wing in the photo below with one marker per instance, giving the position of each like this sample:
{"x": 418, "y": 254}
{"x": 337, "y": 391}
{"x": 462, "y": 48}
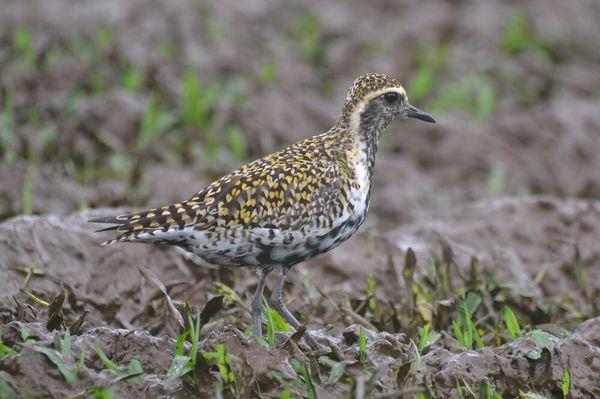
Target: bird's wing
{"x": 295, "y": 193}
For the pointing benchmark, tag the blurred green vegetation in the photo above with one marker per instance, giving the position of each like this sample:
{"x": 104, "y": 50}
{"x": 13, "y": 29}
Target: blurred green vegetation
{"x": 7, "y": 130}
{"x": 518, "y": 37}
{"x": 192, "y": 119}
{"x": 477, "y": 90}
{"x": 308, "y": 32}
{"x": 197, "y": 121}
{"x": 473, "y": 92}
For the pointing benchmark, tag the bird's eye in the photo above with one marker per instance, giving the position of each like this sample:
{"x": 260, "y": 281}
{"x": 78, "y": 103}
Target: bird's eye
{"x": 391, "y": 97}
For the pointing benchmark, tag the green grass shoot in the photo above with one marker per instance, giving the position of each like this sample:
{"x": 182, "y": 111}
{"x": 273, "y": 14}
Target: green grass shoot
{"x": 372, "y": 300}
{"x": 237, "y": 143}
{"x": 154, "y": 123}
{"x": 109, "y": 364}
{"x": 35, "y": 299}
{"x": 474, "y": 93}
{"x": 268, "y": 73}
{"x": 566, "y": 383}
{"x": 7, "y": 125}
{"x": 197, "y": 101}
{"x": 223, "y": 363}
{"x": 58, "y": 361}
{"x": 512, "y": 325}
{"x": 132, "y": 373}
{"x": 65, "y": 345}
{"x": 24, "y": 46}
{"x": 308, "y": 32}
{"x": 496, "y": 182}
{"x": 132, "y": 79}
{"x": 183, "y": 363}
{"x": 337, "y": 369}
{"x": 6, "y": 392}
{"x": 303, "y": 370}
{"x": 430, "y": 61}
{"x": 465, "y": 331}
{"x": 426, "y": 337}
{"x": 6, "y": 351}
{"x": 26, "y": 196}
{"x": 362, "y": 345}
{"x": 275, "y": 323}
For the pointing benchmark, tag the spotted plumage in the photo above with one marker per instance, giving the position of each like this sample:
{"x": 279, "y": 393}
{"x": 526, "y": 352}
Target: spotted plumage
{"x": 288, "y": 206}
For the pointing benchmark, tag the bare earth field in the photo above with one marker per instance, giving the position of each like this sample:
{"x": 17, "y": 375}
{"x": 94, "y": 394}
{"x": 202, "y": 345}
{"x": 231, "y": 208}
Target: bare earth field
{"x": 476, "y": 273}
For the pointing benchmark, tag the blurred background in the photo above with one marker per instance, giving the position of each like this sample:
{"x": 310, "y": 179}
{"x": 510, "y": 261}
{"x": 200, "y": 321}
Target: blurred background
{"x": 107, "y": 103}
{"x": 129, "y": 104}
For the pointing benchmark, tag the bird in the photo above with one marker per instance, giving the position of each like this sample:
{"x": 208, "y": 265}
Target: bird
{"x": 286, "y": 207}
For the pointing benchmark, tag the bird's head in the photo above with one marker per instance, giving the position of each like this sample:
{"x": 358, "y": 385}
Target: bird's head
{"x": 374, "y": 100}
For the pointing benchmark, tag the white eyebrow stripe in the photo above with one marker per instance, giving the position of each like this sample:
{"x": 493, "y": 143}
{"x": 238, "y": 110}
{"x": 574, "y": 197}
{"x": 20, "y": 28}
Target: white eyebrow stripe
{"x": 376, "y": 93}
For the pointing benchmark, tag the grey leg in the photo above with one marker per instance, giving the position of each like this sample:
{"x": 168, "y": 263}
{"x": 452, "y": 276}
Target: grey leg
{"x": 257, "y": 306}
{"x": 276, "y": 302}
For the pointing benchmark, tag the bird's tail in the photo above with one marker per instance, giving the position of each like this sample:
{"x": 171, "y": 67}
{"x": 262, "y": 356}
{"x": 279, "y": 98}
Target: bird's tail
{"x": 154, "y": 225}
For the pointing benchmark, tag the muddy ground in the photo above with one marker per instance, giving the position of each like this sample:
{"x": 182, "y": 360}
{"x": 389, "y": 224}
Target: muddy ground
{"x": 107, "y": 106}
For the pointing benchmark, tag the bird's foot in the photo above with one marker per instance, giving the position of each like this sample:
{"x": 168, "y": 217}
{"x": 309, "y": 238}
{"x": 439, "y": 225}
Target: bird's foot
{"x": 302, "y": 334}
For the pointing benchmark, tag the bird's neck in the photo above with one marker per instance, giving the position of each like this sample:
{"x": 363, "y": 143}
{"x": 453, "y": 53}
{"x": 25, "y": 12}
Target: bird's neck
{"x": 368, "y": 137}
{"x": 364, "y": 132}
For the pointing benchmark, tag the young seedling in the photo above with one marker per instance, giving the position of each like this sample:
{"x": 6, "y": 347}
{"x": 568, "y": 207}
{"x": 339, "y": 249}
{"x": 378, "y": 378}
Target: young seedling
{"x": 184, "y": 363}
{"x": 109, "y": 364}
{"x": 372, "y": 300}
{"x": 303, "y": 370}
{"x": 7, "y": 132}
{"x": 198, "y": 102}
{"x": 469, "y": 389}
{"x": 223, "y": 363}
{"x": 154, "y": 123}
{"x": 496, "y": 182}
{"x": 580, "y": 269}
{"x": 285, "y": 394}
{"x": 237, "y": 143}
{"x": 26, "y": 194}
{"x": 464, "y": 329}
{"x": 474, "y": 93}
{"x": 275, "y": 323}
{"x": 426, "y": 337}
{"x": 512, "y": 325}
{"x": 65, "y": 345}
{"x": 132, "y": 79}
{"x": 268, "y": 73}
{"x": 134, "y": 369}
{"x": 308, "y": 32}
{"x": 24, "y": 46}
{"x": 362, "y": 345}
{"x": 430, "y": 61}
{"x": 566, "y": 383}
{"x": 5, "y": 351}
{"x": 337, "y": 369}
{"x": 58, "y": 360}
{"x": 35, "y": 299}
{"x": 6, "y": 391}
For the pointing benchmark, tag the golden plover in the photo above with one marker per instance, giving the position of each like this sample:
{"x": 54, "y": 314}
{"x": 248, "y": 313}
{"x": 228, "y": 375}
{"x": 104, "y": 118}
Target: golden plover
{"x": 288, "y": 206}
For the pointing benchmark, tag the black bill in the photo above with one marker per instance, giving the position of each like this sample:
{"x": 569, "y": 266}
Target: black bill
{"x": 414, "y": 112}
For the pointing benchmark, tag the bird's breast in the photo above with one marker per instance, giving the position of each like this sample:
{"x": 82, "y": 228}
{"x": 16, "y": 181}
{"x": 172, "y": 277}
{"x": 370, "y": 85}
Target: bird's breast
{"x": 360, "y": 184}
